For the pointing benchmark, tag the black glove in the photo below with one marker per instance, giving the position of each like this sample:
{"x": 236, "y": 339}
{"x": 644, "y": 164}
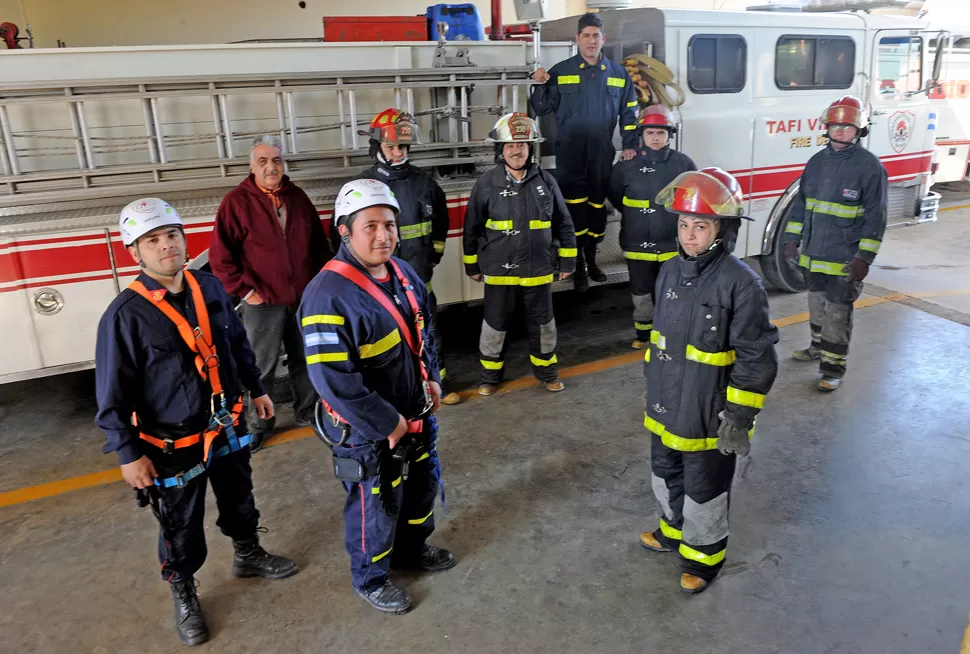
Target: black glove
{"x": 789, "y": 250}
{"x": 857, "y": 269}
{"x": 732, "y": 439}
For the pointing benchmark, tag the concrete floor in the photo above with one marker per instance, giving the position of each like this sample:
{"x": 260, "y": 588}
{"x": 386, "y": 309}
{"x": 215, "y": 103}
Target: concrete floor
{"x": 847, "y": 533}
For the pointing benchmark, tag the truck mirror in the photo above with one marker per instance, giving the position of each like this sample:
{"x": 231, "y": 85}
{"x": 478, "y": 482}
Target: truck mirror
{"x": 941, "y": 44}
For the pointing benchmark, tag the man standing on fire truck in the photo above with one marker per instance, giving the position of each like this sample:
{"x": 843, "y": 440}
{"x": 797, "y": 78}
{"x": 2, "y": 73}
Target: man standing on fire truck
{"x": 172, "y": 364}
{"x": 517, "y": 232}
{"x": 648, "y": 234}
{"x": 423, "y": 220}
{"x": 588, "y": 93}
{"x": 372, "y": 358}
{"x": 838, "y": 217}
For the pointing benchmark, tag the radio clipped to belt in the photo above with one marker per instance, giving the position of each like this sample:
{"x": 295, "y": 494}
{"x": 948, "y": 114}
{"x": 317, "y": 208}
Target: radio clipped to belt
{"x": 223, "y": 419}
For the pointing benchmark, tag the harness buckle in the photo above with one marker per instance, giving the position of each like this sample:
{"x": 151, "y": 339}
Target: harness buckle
{"x": 168, "y": 446}
{"x": 180, "y": 480}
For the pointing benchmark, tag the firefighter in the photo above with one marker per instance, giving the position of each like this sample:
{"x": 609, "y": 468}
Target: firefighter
{"x": 517, "y": 233}
{"x": 648, "y": 234}
{"x": 838, "y": 218}
{"x": 372, "y": 358}
{"x": 172, "y": 364}
{"x": 588, "y": 93}
{"x": 423, "y": 219}
{"x": 710, "y": 364}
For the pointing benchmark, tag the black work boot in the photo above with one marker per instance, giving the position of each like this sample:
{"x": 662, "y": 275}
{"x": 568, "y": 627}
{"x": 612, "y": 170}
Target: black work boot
{"x": 580, "y": 280}
{"x": 387, "y": 598}
{"x": 251, "y": 560}
{"x": 432, "y": 559}
{"x": 188, "y": 613}
{"x": 595, "y": 273}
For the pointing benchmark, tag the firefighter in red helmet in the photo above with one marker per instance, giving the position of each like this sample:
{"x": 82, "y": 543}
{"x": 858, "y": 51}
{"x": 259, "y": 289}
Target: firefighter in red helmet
{"x": 648, "y": 234}
{"x": 710, "y": 364}
{"x": 838, "y": 218}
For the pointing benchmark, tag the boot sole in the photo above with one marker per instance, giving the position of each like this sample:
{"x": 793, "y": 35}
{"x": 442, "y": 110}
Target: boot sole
{"x": 198, "y": 640}
{"x": 246, "y": 573}
{"x": 660, "y": 550}
{"x": 396, "y": 611}
{"x": 695, "y": 591}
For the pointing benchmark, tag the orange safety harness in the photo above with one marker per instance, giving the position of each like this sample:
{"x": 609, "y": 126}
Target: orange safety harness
{"x": 199, "y": 341}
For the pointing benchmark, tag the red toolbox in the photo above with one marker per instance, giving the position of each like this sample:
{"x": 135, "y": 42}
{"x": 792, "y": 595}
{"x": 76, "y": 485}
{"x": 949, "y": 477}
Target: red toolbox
{"x": 375, "y": 28}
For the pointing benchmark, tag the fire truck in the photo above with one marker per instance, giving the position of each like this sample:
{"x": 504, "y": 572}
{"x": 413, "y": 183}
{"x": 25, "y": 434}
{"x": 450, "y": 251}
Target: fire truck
{"x": 85, "y": 130}
{"x": 950, "y": 100}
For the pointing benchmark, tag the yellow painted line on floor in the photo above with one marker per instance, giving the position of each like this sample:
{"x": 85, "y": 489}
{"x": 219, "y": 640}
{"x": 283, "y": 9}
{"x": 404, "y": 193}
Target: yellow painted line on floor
{"x": 955, "y": 207}
{"x": 30, "y": 493}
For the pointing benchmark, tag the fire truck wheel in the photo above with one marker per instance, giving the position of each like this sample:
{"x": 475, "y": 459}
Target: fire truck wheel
{"x": 781, "y": 272}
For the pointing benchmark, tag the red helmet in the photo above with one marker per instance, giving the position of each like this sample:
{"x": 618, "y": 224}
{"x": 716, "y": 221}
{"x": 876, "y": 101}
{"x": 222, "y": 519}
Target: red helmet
{"x": 657, "y": 116}
{"x": 706, "y": 192}
{"x": 847, "y": 110}
{"x": 394, "y": 126}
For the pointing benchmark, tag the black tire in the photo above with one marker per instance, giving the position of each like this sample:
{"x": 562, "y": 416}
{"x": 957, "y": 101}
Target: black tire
{"x": 784, "y": 274}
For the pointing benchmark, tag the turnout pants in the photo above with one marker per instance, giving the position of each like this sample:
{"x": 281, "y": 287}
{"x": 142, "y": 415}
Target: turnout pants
{"x": 643, "y": 280}
{"x": 436, "y": 334}
{"x": 181, "y": 539}
{"x": 830, "y": 299}
{"x": 583, "y": 166}
{"x": 376, "y": 540}
{"x": 499, "y": 305}
{"x": 693, "y": 489}
{"x": 267, "y": 326}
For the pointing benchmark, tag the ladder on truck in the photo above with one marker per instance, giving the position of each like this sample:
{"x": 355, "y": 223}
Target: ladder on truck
{"x": 72, "y": 141}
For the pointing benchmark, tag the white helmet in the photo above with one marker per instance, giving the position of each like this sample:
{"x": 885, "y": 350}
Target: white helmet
{"x": 142, "y": 216}
{"x": 360, "y": 194}
{"x": 515, "y": 128}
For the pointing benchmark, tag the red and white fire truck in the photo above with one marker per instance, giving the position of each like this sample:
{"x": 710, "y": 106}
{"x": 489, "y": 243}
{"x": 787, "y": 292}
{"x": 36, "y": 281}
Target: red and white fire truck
{"x": 85, "y": 130}
{"x": 951, "y": 102}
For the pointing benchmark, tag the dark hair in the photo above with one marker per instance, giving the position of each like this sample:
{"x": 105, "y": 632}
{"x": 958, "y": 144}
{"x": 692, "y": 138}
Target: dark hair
{"x": 589, "y": 20}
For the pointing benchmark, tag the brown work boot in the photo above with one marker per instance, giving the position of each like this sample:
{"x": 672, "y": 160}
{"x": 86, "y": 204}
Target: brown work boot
{"x": 648, "y": 540}
{"x": 451, "y": 398}
{"x": 691, "y": 584}
{"x": 810, "y": 353}
{"x": 554, "y": 386}
{"x": 487, "y": 389}
{"x": 637, "y": 344}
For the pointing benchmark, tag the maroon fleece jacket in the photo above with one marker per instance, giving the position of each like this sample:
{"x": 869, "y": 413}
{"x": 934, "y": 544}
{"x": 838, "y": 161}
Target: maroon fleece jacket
{"x": 249, "y": 251}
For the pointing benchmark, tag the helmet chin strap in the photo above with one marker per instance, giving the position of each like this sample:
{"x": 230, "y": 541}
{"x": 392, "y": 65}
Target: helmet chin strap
{"x": 383, "y": 160}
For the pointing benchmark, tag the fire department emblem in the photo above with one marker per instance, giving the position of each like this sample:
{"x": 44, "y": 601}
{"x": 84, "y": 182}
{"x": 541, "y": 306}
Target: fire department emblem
{"x": 901, "y": 129}
{"x": 145, "y": 206}
{"x": 157, "y": 296}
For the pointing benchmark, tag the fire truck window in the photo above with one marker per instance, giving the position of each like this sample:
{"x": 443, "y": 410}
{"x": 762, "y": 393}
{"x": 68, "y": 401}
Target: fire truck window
{"x": 812, "y": 62}
{"x": 900, "y": 66}
{"x": 716, "y": 63}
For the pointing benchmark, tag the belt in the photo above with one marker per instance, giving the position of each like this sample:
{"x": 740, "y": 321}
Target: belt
{"x": 182, "y": 478}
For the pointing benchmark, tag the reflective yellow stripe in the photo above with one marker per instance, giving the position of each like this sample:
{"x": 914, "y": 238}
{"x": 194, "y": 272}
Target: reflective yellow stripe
{"x": 834, "y": 208}
{"x": 443, "y": 373}
{"x": 632, "y": 104}
{"x": 629, "y": 128}
{"x": 710, "y": 358}
{"x": 430, "y": 287}
{"x": 500, "y": 225}
{"x": 745, "y": 398}
{"x": 582, "y": 232}
{"x": 323, "y": 319}
{"x": 824, "y": 267}
{"x": 568, "y": 252}
{"x": 658, "y": 339}
{"x": 646, "y": 355}
{"x": 700, "y": 557}
{"x": 594, "y": 235}
{"x": 544, "y": 363}
{"x": 492, "y": 365}
{"x": 670, "y": 532}
{"x": 376, "y": 490}
{"x": 569, "y": 79}
{"x": 678, "y": 443}
{"x": 381, "y": 346}
{"x": 380, "y": 556}
{"x": 518, "y": 281}
{"x": 869, "y": 245}
{"x": 794, "y": 228}
{"x": 327, "y": 357}
{"x": 439, "y": 246}
{"x": 638, "y": 204}
{"x": 575, "y": 200}
{"x": 540, "y": 224}
{"x": 421, "y": 521}
{"x": 415, "y": 231}
{"x": 649, "y": 256}
{"x": 426, "y": 455}
{"x": 643, "y": 326}
{"x": 469, "y": 258}
{"x": 596, "y": 205}
{"x": 615, "y": 81}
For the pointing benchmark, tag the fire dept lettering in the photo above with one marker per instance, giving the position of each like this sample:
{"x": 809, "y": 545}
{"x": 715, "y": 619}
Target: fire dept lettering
{"x": 797, "y": 125}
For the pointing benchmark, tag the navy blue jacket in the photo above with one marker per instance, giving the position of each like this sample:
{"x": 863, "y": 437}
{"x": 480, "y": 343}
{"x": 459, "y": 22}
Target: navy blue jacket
{"x": 359, "y": 362}
{"x": 588, "y": 100}
{"x": 143, "y": 366}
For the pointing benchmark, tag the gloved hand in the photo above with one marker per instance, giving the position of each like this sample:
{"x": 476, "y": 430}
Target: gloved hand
{"x": 789, "y": 250}
{"x": 857, "y": 269}
{"x": 732, "y": 439}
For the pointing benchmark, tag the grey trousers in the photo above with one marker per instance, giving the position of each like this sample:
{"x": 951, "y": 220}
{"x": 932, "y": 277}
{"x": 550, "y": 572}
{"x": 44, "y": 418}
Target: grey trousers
{"x": 267, "y": 327}
{"x": 830, "y": 299}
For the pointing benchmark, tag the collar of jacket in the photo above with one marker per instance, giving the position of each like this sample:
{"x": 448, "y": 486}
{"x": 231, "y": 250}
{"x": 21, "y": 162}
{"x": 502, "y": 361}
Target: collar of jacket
{"x": 503, "y": 176}
{"x": 601, "y": 64}
{"x": 391, "y": 173}
{"x": 844, "y": 153}
{"x": 250, "y": 185}
{"x": 655, "y": 156}
{"x": 695, "y": 266}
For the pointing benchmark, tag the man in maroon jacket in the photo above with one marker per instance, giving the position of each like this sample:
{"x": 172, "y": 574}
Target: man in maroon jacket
{"x": 266, "y": 247}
